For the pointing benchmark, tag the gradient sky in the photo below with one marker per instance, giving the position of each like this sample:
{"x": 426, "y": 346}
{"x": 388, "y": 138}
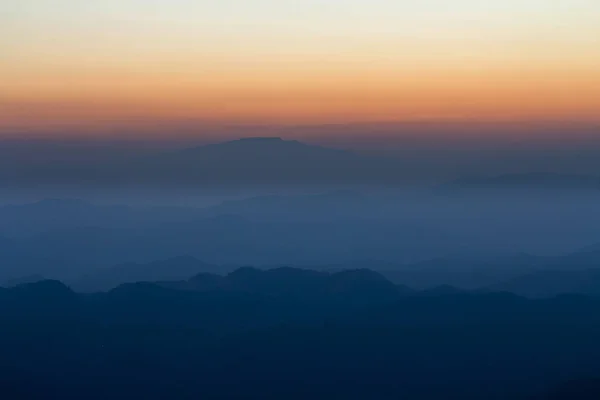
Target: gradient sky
{"x": 90, "y": 65}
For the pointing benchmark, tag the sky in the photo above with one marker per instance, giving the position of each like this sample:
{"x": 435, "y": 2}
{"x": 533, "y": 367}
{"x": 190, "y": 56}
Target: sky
{"x": 95, "y": 66}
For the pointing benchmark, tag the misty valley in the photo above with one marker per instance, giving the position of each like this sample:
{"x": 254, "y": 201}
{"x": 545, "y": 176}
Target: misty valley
{"x": 232, "y": 271}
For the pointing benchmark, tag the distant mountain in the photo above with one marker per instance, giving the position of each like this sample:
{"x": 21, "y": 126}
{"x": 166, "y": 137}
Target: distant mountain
{"x": 442, "y": 290}
{"x": 584, "y": 259}
{"x": 254, "y": 149}
{"x": 44, "y": 289}
{"x": 464, "y": 272}
{"x": 522, "y": 274}
{"x": 23, "y": 280}
{"x": 259, "y": 160}
{"x": 46, "y": 298}
{"x": 262, "y": 160}
{"x": 576, "y": 273}
{"x": 350, "y": 285}
{"x": 172, "y": 269}
{"x": 550, "y": 283}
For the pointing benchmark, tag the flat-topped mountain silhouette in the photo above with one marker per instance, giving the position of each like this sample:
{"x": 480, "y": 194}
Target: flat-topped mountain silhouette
{"x": 262, "y": 160}
{"x": 266, "y": 149}
{"x": 258, "y": 160}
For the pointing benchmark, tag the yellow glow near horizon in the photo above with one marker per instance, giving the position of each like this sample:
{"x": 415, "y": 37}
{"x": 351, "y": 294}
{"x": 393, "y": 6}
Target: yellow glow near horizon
{"x": 74, "y": 63}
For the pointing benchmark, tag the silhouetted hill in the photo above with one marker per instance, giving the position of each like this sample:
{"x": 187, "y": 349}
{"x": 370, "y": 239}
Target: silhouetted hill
{"x": 263, "y": 160}
{"x": 201, "y": 282}
{"x": 47, "y": 300}
{"x": 279, "y": 281}
{"x": 23, "y": 280}
{"x": 261, "y": 149}
{"x": 523, "y": 274}
{"x": 363, "y": 283}
{"x": 151, "y": 341}
{"x": 549, "y": 283}
{"x": 176, "y": 268}
{"x": 576, "y": 273}
{"x": 587, "y": 258}
{"x": 248, "y": 161}
{"x": 462, "y": 271}
{"x": 352, "y": 285}
{"x": 45, "y": 289}
{"x": 442, "y": 291}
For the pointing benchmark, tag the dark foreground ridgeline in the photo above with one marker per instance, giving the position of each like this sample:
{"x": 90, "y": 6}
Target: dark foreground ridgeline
{"x": 293, "y": 334}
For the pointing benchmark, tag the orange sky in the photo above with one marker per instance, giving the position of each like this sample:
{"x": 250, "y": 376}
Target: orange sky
{"x": 74, "y": 67}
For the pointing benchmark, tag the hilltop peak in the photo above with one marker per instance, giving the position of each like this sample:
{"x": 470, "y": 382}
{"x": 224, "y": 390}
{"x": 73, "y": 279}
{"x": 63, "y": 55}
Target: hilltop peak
{"x": 262, "y": 160}
{"x": 258, "y": 143}
{"x": 266, "y": 141}
{"x": 48, "y": 289}
{"x": 261, "y": 139}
